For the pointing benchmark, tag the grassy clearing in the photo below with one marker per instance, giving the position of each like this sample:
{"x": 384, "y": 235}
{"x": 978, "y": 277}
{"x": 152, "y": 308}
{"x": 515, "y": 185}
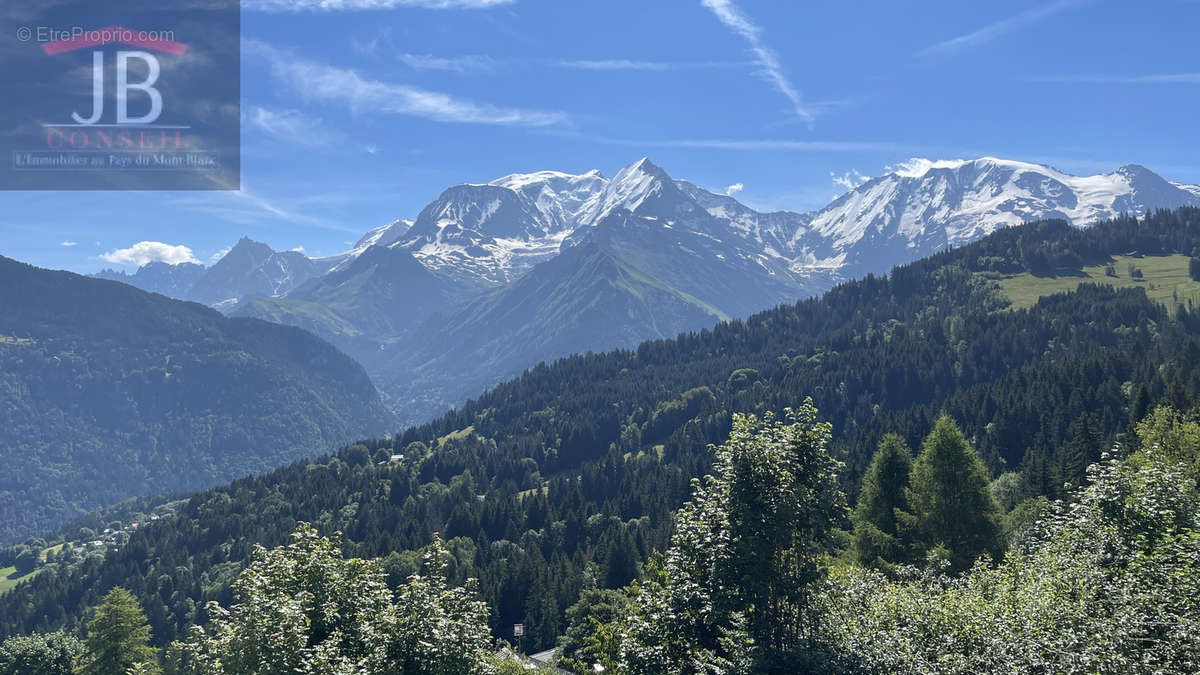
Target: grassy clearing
{"x": 9, "y": 578}
{"x": 456, "y": 435}
{"x": 1164, "y": 278}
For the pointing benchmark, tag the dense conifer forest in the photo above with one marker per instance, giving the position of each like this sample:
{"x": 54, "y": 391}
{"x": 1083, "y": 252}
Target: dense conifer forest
{"x": 560, "y": 486}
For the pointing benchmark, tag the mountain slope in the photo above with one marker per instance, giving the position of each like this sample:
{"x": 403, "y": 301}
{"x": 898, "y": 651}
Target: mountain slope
{"x": 569, "y": 474}
{"x": 363, "y": 304}
{"x": 107, "y": 392}
{"x": 585, "y": 299}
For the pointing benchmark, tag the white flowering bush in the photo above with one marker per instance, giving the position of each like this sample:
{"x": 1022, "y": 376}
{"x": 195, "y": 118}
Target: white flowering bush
{"x": 303, "y": 608}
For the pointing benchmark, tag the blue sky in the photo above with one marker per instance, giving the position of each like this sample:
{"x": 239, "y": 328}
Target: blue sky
{"x": 357, "y": 112}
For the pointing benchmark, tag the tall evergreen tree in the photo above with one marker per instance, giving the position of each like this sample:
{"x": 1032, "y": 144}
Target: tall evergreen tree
{"x": 882, "y": 522}
{"x": 118, "y": 638}
{"x": 952, "y": 499}
{"x": 1081, "y": 450}
{"x": 736, "y": 588}
{"x": 1194, "y": 268}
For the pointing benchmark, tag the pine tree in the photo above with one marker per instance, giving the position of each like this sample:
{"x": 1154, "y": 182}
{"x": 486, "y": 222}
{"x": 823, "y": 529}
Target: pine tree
{"x": 952, "y": 499}
{"x": 882, "y": 522}
{"x": 118, "y": 638}
{"x": 1194, "y": 269}
{"x": 1081, "y": 451}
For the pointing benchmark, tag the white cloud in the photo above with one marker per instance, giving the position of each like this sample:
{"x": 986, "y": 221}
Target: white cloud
{"x": 1166, "y": 78}
{"x": 292, "y": 126}
{"x": 150, "y": 251}
{"x": 218, "y": 255}
{"x": 455, "y": 64}
{"x": 761, "y": 145}
{"x": 734, "y": 189}
{"x": 848, "y": 180}
{"x": 318, "y": 81}
{"x": 68, "y": 243}
{"x": 361, "y": 5}
{"x": 768, "y": 62}
{"x": 915, "y": 167}
{"x": 995, "y": 30}
{"x": 614, "y": 64}
{"x": 298, "y": 249}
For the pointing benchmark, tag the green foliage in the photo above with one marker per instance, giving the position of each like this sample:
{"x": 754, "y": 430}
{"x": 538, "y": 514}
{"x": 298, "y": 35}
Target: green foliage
{"x": 1194, "y": 269}
{"x": 1172, "y": 434}
{"x": 1107, "y": 584}
{"x": 736, "y": 583}
{"x": 118, "y": 638}
{"x": 39, "y": 654}
{"x": 883, "y": 524}
{"x": 952, "y": 499}
{"x": 304, "y": 608}
{"x": 1007, "y": 490}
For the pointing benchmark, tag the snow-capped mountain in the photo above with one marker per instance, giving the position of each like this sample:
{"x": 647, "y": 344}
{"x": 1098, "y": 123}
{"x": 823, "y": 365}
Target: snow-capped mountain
{"x": 493, "y": 233}
{"x": 479, "y": 236}
{"x": 926, "y": 206}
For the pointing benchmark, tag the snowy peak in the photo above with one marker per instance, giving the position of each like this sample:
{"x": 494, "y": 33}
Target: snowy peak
{"x": 925, "y": 205}
{"x": 559, "y": 196}
{"x": 642, "y": 188}
{"x": 384, "y": 234}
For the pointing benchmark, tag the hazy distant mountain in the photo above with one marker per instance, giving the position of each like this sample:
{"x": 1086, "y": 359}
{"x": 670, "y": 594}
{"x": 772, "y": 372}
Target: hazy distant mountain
{"x": 585, "y": 299}
{"x": 159, "y": 277}
{"x": 363, "y": 303}
{"x": 252, "y": 270}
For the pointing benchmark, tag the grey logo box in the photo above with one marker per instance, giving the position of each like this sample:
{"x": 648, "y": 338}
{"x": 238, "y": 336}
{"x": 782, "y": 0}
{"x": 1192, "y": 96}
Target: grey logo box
{"x": 131, "y": 95}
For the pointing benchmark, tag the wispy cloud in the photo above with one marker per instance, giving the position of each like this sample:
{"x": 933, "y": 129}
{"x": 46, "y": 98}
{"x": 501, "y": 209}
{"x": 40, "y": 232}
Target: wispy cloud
{"x": 479, "y": 63}
{"x": 767, "y": 61}
{"x": 365, "y": 5}
{"x": 456, "y": 64}
{"x": 849, "y": 180}
{"x": 631, "y": 64}
{"x": 761, "y": 145}
{"x": 145, "y": 252}
{"x": 1166, "y": 78}
{"x": 323, "y": 82}
{"x": 291, "y": 126}
{"x": 68, "y": 243}
{"x": 734, "y": 189}
{"x": 246, "y": 207}
{"x": 994, "y": 30}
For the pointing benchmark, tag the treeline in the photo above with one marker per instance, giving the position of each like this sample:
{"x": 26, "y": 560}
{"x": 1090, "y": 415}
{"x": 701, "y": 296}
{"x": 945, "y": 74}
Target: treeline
{"x": 566, "y": 478}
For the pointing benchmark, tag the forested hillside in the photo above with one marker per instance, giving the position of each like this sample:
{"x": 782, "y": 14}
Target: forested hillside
{"x": 569, "y": 475}
{"x": 108, "y": 392}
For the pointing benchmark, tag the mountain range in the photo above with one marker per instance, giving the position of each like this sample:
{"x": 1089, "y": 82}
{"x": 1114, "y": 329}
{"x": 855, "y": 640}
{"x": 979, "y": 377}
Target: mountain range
{"x": 492, "y": 278}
